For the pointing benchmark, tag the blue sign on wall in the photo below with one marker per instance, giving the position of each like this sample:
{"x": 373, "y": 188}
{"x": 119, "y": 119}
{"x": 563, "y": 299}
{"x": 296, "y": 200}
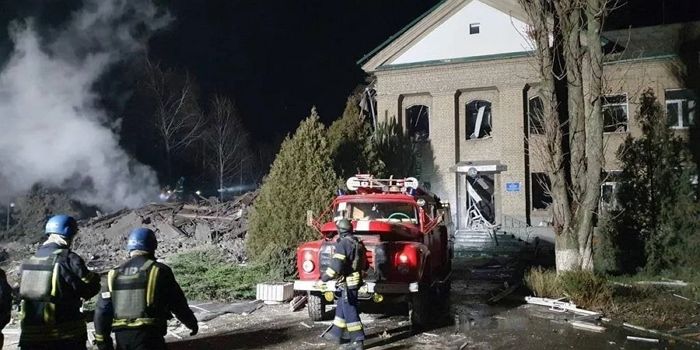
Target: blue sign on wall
{"x": 512, "y": 186}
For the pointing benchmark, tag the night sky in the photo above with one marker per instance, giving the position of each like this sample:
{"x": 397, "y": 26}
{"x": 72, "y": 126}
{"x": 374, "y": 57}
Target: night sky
{"x": 278, "y": 58}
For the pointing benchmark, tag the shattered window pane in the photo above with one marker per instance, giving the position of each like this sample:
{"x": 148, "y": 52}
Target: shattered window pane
{"x": 478, "y": 119}
{"x": 535, "y": 110}
{"x": 615, "y": 113}
{"x": 417, "y": 122}
{"x": 541, "y": 197}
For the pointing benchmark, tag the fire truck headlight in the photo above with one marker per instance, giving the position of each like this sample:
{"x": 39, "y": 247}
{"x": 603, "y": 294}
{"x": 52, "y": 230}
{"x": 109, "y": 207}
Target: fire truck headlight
{"x": 308, "y": 266}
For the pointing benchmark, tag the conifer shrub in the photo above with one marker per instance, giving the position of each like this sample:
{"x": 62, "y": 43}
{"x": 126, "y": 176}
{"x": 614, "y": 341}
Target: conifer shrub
{"x": 301, "y": 178}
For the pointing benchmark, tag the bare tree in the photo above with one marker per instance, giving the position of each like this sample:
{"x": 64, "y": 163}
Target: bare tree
{"x": 227, "y": 140}
{"x": 572, "y": 147}
{"x": 176, "y": 116}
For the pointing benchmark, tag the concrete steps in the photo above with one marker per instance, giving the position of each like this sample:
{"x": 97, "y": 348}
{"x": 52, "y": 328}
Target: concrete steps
{"x": 476, "y": 243}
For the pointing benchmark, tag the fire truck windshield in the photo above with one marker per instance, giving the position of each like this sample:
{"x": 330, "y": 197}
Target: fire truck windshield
{"x": 383, "y": 211}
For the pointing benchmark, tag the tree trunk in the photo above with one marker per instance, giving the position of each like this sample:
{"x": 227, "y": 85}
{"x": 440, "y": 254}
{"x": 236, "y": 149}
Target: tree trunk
{"x": 567, "y": 253}
{"x": 595, "y": 11}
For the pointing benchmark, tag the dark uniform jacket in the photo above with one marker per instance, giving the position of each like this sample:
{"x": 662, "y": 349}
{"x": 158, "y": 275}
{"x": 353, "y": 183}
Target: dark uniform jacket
{"x": 65, "y": 321}
{"x": 341, "y": 263}
{"x": 168, "y": 300}
{"x": 5, "y": 300}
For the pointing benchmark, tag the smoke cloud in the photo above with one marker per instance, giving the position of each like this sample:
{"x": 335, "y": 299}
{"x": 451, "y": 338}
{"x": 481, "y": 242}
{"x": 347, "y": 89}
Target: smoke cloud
{"x": 52, "y": 129}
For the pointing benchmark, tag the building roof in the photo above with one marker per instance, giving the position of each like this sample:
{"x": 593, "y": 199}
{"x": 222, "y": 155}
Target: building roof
{"x": 649, "y": 42}
{"x": 620, "y": 45}
{"x": 425, "y": 23}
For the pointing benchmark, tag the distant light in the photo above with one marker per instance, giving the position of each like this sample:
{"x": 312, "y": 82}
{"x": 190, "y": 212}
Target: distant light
{"x": 12, "y": 205}
{"x": 199, "y": 193}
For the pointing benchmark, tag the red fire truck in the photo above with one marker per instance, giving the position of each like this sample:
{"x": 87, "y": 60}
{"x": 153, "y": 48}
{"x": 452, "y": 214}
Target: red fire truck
{"x": 407, "y": 233}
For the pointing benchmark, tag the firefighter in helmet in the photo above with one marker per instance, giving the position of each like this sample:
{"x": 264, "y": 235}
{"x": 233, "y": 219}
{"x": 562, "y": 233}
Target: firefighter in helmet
{"x": 52, "y": 284}
{"x": 5, "y": 303}
{"x": 346, "y": 268}
{"x": 140, "y": 297}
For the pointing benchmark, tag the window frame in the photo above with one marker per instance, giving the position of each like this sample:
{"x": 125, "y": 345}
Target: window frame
{"x": 466, "y": 120}
{"x": 475, "y": 28}
{"x": 626, "y": 104}
{"x": 679, "y": 103}
{"x": 544, "y": 194}
{"x": 408, "y": 122}
{"x": 530, "y": 124}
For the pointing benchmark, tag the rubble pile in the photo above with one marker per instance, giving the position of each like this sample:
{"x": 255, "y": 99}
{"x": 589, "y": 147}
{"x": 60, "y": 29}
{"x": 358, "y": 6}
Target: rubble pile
{"x": 180, "y": 227}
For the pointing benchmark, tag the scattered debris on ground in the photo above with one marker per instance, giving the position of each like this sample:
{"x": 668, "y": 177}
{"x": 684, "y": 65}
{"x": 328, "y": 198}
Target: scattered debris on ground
{"x": 180, "y": 227}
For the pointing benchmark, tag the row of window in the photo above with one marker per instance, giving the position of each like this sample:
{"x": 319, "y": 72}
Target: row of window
{"x": 680, "y": 110}
{"x": 542, "y": 198}
{"x": 478, "y": 120}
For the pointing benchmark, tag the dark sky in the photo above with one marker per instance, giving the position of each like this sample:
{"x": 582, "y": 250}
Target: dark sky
{"x": 278, "y": 58}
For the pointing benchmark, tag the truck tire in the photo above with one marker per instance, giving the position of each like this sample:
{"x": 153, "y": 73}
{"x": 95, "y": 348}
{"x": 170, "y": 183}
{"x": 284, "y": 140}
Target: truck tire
{"x": 316, "y": 305}
{"x": 418, "y": 308}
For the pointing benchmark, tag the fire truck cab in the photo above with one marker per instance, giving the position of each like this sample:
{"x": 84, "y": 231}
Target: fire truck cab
{"x": 407, "y": 233}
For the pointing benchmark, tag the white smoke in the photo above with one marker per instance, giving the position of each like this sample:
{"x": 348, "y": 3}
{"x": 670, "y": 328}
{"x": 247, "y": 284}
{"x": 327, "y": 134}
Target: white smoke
{"x": 52, "y": 129}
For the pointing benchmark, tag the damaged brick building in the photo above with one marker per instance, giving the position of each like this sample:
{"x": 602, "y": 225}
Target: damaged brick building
{"x": 462, "y": 82}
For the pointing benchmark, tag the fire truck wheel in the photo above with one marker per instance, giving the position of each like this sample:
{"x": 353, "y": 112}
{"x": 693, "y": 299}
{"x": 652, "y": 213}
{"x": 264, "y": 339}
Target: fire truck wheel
{"x": 316, "y": 305}
{"x": 418, "y": 308}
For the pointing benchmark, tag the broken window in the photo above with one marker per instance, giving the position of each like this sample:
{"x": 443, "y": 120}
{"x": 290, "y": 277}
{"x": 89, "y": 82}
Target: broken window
{"x": 535, "y": 110}
{"x": 417, "y": 124}
{"x": 478, "y": 119}
{"x": 680, "y": 108}
{"x": 615, "y": 113}
{"x": 608, "y": 191}
{"x": 541, "y": 197}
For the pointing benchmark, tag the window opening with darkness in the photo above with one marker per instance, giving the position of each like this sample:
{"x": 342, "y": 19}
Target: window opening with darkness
{"x": 615, "y": 113}
{"x": 478, "y": 119}
{"x": 474, "y": 28}
{"x": 417, "y": 123}
{"x": 535, "y": 112}
{"x": 541, "y": 197}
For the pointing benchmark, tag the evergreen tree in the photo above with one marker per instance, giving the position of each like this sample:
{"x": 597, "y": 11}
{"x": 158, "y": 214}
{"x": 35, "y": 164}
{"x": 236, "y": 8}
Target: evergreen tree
{"x": 397, "y": 152}
{"x": 659, "y": 208}
{"x": 350, "y": 143}
{"x": 301, "y": 178}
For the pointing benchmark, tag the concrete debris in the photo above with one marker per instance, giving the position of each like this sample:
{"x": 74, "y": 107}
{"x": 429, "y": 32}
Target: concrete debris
{"x": 305, "y": 325}
{"x": 504, "y": 293}
{"x": 179, "y": 227}
{"x": 209, "y": 311}
{"x": 669, "y": 283}
{"x": 559, "y": 305}
{"x": 587, "y": 326}
{"x": 297, "y": 303}
{"x": 687, "y": 299}
{"x": 646, "y": 340}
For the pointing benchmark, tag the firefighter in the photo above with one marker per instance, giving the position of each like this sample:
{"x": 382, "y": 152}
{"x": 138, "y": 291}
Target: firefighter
{"x": 346, "y": 267}
{"x": 140, "y": 297}
{"x": 5, "y": 303}
{"x": 52, "y": 284}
